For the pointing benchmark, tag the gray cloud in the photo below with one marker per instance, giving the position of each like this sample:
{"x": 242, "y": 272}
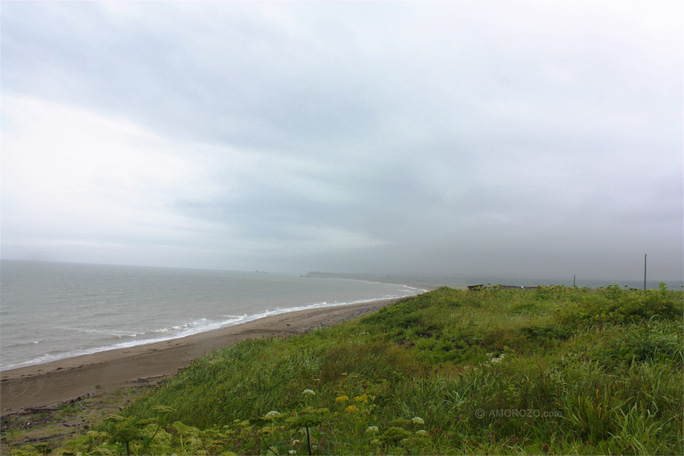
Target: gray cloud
{"x": 491, "y": 137}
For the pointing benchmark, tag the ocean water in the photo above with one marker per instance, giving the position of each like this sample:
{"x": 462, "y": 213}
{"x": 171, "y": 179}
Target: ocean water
{"x": 52, "y": 311}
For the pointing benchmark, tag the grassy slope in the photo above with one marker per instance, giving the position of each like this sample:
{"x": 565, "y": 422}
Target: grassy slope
{"x": 561, "y": 370}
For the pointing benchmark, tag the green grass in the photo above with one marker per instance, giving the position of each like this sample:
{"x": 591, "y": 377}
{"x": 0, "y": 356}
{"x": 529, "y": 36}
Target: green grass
{"x": 556, "y": 369}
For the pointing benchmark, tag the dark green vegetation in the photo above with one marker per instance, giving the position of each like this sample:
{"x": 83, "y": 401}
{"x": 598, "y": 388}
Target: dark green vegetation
{"x": 552, "y": 370}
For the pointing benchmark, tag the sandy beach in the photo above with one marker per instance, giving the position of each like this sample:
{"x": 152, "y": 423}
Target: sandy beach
{"x": 59, "y": 381}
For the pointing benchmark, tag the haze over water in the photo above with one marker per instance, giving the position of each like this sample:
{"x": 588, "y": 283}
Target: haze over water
{"x": 58, "y": 310}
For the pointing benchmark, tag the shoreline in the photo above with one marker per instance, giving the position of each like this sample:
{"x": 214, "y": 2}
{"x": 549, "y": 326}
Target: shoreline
{"x": 55, "y": 382}
{"x": 239, "y": 322}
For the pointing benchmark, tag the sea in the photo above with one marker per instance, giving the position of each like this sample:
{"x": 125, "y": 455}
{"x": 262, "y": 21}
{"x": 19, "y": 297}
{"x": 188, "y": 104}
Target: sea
{"x": 51, "y": 311}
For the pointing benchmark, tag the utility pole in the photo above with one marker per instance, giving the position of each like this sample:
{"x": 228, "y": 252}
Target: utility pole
{"x": 573, "y": 280}
{"x": 644, "y": 272}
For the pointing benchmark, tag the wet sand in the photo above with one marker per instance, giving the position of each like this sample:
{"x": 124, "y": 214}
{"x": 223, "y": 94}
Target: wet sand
{"x": 49, "y": 384}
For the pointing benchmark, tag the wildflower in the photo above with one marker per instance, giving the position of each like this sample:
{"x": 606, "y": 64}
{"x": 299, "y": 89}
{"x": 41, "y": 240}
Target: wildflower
{"x": 393, "y": 435}
{"x": 499, "y": 359}
{"x": 372, "y": 429}
{"x": 422, "y": 433}
{"x": 309, "y": 392}
{"x": 272, "y": 414}
{"x": 342, "y": 399}
{"x": 295, "y": 441}
{"x": 344, "y": 374}
{"x": 375, "y": 442}
{"x": 363, "y": 398}
{"x": 417, "y": 420}
{"x": 351, "y": 409}
{"x": 292, "y": 451}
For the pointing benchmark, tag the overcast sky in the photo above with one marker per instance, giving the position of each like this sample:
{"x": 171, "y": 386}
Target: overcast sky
{"x": 538, "y": 138}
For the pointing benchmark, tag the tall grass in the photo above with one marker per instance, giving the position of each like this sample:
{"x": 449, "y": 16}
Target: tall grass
{"x": 553, "y": 370}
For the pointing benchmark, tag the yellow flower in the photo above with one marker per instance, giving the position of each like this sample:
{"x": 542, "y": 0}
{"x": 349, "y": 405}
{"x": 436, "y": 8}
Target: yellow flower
{"x": 351, "y": 409}
{"x": 363, "y": 398}
{"x": 342, "y": 399}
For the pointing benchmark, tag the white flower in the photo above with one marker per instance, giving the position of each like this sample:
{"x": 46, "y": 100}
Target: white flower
{"x": 309, "y": 392}
{"x": 499, "y": 359}
{"x": 272, "y": 414}
{"x": 417, "y": 420}
{"x": 292, "y": 451}
{"x": 372, "y": 429}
